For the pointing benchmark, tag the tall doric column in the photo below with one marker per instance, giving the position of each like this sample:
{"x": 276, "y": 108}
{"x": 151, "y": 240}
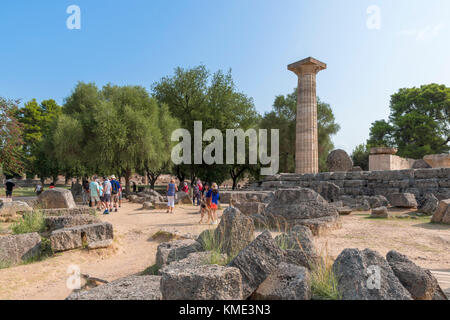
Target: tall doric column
{"x": 306, "y": 144}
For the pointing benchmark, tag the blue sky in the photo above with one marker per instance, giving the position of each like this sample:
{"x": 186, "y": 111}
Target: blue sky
{"x": 140, "y": 41}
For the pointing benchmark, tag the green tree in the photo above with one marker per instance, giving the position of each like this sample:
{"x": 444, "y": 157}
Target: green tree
{"x": 360, "y": 156}
{"x": 114, "y": 130}
{"x": 37, "y": 121}
{"x": 10, "y": 139}
{"x": 283, "y": 117}
{"x": 419, "y": 122}
{"x": 196, "y": 95}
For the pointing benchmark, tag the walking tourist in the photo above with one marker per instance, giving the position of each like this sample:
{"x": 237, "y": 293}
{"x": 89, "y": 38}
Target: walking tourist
{"x": 107, "y": 195}
{"x": 38, "y": 189}
{"x": 9, "y": 185}
{"x": 94, "y": 193}
{"x": 116, "y": 190}
{"x": 171, "y": 190}
{"x": 212, "y": 201}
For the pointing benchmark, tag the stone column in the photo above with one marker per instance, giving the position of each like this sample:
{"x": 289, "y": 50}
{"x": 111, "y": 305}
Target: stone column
{"x": 307, "y": 145}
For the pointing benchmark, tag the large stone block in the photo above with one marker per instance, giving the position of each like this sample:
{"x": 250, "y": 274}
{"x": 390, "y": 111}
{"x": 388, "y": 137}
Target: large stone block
{"x": 13, "y": 207}
{"x": 234, "y": 232}
{"x": 366, "y": 275}
{"x": 128, "y": 288}
{"x": 82, "y": 210}
{"x": 257, "y": 261}
{"x": 420, "y": 283}
{"x": 56, "y": 198}
{"x": 288, "y": 282}
{"x": 21, "y": 247}
{"x": 403, "y": 200}
{"x": 60, "y": 222}
{"x": 176, "y": 250}
{"x": 76, "y": 237}
{"x": 206, "y": 282}
{"x": 301, "y": 206}
{"x": 250, "y": 208}
{"x": 442, "y": 213}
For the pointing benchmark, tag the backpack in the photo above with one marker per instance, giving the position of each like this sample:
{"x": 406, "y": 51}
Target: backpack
{"x": 114, "y": 187}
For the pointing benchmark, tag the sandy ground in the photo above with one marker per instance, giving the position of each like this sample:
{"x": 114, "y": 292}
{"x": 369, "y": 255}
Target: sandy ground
{"x": 134, "y": 250}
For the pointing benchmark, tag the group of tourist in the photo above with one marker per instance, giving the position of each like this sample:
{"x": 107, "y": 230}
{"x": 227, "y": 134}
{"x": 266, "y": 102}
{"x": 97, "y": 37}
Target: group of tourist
{"x": 203, "y": 195}
{"x": 105, "y": 194}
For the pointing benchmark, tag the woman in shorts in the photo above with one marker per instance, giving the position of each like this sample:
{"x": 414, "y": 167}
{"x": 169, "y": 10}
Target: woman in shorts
{"x": 171, "y": 191}
{"x": 212, "y": 201}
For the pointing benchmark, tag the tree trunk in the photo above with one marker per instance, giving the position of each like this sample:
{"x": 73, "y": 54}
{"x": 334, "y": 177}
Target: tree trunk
{"x": 127, "y": 181}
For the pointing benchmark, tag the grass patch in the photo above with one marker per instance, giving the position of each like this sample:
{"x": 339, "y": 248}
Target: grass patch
{"x": 163, "y": 236}
{"x": 30, "y": 222}
{"x": 151, "y": 271}
{"x": 324, "y": 283}
{"x": 214, "y": 246}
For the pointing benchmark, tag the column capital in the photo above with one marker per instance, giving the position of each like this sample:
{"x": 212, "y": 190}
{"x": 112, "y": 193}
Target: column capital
{"x": 307, "y": 66}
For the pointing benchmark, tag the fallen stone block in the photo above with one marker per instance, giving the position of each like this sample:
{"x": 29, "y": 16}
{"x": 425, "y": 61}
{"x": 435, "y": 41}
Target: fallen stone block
{"x": 344, "y": 211}
{"x": 60, "y": 222}
{"x": 429, "y": 205}
{"x": 168, "y": 252}
{"x": 250, "y": 208}
{"x": 420, "y": 283}
{"x": 56, "y": 198}
{"x": 366, "y": 275}
{"x": 18, "y": 248}
{"x": 128, "y": 288}
{"x": 299, "y": 247}
{"x": 257, "y": 261}
{"x": 206, "y": 282}
{"x": 403, "y": 200}
{"x": 442, "y": 213}
{"x": 234, "y": 232}
{"x": 302, "y": 206}
{"x": 381, "y": 212}
{"x": 77, "y": 237}
{"x": 82, "y": 210}
{"x": 288, "y": 282}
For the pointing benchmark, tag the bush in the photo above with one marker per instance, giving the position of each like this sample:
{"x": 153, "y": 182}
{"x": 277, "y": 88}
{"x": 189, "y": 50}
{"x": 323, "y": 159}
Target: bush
{"x": 31, "y": 222}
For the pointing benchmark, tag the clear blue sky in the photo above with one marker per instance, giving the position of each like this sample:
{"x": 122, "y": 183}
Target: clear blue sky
{"x": 140, "y": 41}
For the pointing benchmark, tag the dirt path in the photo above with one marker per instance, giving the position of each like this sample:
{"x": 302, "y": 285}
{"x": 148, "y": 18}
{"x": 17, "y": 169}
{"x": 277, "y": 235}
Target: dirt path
{"x": 133, "y": 250}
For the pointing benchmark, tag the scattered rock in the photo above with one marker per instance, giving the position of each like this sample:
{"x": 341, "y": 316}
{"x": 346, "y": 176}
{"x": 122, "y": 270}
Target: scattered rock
{"x": 147, "y": 206}
{"x": 366, "y": 275}
{"x": 403, "y": 200}
{"x": 14, "y": 207}
{"x": 77, "y": 237}
{"x": 194, "y": 259}
{"x": 129, "y": 288}
{"x": 344, "y": 211}
{"x": 257, "y": 261}
{"x": 288, "y": 282}
{"x": 339, "y": 161}
{"x": 206, "y": 282}
{"x": 381, "y": 212}
{"x": 250, "y": 208}
{"x": 298, "y": 246}
{"x": 175, "y": 250}
{"x": 59, "y": 222}
{"x": 234, "y": 232}
{"x": 420, "y": 283}
{"x": 20, "y": 247}
{"x": 442, "y": 213}
{"x": 56, "y": 198}
{"x": 302, "y": 206}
